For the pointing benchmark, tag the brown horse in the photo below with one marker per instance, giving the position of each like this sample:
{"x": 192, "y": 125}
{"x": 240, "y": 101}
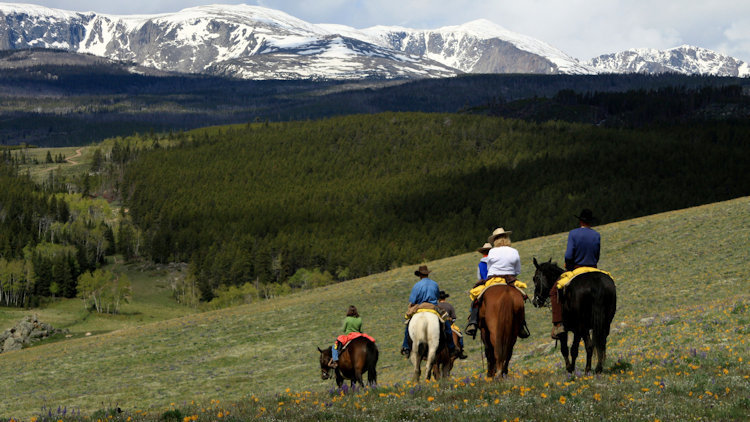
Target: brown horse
{"x": 501, "y": 316}
{"x": 444, "y": 360}
{"x": 360, "y": 356}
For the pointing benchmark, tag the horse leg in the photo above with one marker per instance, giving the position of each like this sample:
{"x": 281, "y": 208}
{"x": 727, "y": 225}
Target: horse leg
{"x": 589, "y": 345}
{"x": 489, "y": 352}
{"x": 416, "y": 360}
{"x": 574, "y": 351}
{"x": 601, "y": 353}
{"x": 339, "y": 378}
{"x": 565, "y": 351}
{"x": 430, "y": 361}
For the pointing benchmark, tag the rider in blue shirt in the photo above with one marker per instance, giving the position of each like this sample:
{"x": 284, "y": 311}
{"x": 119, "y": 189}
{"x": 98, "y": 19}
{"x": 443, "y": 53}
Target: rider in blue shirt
{"x": 425, "y": 291}
{"x": 584, "y": 244}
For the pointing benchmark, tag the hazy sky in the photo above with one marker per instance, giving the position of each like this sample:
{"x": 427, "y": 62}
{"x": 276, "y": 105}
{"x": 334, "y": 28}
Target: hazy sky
{"x": 581, "y": 28}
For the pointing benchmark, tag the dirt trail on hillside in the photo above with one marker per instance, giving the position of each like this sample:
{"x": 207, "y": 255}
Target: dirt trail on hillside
{"x": 70, "y": 159}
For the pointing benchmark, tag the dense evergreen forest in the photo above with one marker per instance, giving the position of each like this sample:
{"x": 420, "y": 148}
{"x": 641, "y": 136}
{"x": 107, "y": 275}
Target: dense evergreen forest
{"x": 269, "y": 204}
{"x": 56, "y": 105}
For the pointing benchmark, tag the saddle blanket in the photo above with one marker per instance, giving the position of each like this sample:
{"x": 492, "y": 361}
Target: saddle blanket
{"x": 476, "y": 292}
{"x": 425, "y": 307}
{"x": 345, "y": 339}
{"x": 568, "y": 276}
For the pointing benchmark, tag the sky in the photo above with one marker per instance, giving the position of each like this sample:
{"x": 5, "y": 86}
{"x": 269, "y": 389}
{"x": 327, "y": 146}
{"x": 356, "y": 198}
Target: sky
{"x": 583, "y": 29}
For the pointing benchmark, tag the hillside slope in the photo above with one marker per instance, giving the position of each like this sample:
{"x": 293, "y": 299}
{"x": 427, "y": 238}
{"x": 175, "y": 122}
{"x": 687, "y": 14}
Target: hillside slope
{"x": 663, "y": 265}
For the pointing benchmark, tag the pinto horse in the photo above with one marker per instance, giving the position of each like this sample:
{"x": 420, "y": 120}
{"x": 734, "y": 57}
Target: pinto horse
{"x": 501, "y": 316}
{"x": 360, "y": 356}
{"x": 588, "y": 304}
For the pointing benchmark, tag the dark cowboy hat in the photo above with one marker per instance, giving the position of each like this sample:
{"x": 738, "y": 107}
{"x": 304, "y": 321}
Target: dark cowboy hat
{"x": 443, "y": 295}
{"x": 422, "y": 271}
{"x": 587, "y": 216}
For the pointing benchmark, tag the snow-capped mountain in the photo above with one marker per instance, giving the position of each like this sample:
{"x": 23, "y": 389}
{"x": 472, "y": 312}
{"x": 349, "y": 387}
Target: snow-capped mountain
{"x": 476, "y": 47}
{"x": 683, "y": 59}
{"x": 260, "y": 43}
{"x": 255, "y": 42}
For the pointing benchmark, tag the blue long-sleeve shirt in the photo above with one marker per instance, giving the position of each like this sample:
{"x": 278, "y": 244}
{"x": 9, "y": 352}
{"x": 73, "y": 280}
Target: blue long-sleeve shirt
{"x": 583, "y": 248}
{"x": 482, "y": 269}
{"x": 425, "y": 290}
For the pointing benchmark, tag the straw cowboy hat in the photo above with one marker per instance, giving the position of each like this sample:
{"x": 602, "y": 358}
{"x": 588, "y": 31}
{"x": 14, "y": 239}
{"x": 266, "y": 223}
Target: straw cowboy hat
{"x": 486, "y": 247}
{"x": 587, "y": 216}
{"x": 423, "y": 271}
{"x": 497, "y": 233}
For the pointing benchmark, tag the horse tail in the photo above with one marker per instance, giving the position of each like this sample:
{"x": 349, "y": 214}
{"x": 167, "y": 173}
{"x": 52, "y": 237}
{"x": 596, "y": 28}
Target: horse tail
{"x": 508, "y": 325}
{"x": 372, "y": 362}
{"x": 603, "y": 311}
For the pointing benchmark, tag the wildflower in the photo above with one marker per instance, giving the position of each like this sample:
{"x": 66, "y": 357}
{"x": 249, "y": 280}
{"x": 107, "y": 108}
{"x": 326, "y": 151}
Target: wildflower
{"x": 597, "y": 397}
{"x": 430, "y": 398}
{"x": 544, "y": 396}
{"x": 562, "y": 399}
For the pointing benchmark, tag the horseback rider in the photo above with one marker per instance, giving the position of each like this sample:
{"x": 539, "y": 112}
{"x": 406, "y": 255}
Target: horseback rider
{"x": 352, "y": 323}
{"x": 504, "y": 262}
{"x": 482, "y": 266}
{"x": 584, "y": 244}
{"x": 451, "y": 311}
{"x": 425, "y": 291}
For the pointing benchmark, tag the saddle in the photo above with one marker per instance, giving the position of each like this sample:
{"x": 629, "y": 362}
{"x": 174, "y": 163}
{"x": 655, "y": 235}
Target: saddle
{"x": 477, "y": 292}
{"x": 568, "y": 276}
{"x": 425, "y": 307}
{"x": 345, "y": 339}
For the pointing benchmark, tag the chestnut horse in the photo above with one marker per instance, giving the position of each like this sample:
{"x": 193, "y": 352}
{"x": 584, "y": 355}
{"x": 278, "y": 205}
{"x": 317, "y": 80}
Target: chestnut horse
{"x": 360, "y": 356}
{"x": 588, "y": 303}
{"x": 501, "y": 316}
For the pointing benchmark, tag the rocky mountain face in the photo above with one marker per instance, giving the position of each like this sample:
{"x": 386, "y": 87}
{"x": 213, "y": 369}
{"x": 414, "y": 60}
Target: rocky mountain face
{"x": 253, "y": 42}
{"x": 684, "y": 59}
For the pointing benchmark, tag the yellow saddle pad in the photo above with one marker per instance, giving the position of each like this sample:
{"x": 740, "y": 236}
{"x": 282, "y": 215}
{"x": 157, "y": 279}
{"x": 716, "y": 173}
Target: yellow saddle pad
{"x": 477, "y": 291}
{"x": 568, "y": 276}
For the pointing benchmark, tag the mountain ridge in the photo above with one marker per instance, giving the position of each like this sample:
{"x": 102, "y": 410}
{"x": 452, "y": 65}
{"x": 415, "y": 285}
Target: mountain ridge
{"x": 255, "y": 42}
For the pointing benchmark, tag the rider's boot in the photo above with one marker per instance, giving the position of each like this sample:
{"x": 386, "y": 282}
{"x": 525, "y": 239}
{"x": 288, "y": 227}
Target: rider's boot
{"x": 473, "y": 324}
{"x": 558, "y": 331}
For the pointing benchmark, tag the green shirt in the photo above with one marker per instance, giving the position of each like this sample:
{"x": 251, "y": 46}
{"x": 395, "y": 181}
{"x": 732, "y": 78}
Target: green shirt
{"x": 352, "y": 324}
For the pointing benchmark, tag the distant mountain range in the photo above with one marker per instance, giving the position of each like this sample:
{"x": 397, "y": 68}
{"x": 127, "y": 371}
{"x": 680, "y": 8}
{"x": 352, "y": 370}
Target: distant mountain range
{"x": 253, "y": 42}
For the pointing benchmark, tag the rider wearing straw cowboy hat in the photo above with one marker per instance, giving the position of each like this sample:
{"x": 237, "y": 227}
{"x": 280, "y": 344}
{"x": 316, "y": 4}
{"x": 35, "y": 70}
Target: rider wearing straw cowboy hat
{"x": 504, "y": 262}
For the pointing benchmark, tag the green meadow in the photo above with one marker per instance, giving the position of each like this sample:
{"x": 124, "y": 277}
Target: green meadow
{"x": 679, "y": 348}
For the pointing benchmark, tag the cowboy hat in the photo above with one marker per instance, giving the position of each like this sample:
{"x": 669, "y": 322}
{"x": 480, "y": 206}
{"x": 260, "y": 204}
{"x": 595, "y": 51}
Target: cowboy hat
{"x": 485, "y": 248}
{"x": 443, "y": 295}
{"x": 497, "y": 233}
{"x": 587, "y": 216}
{"x": 422, "y": 271}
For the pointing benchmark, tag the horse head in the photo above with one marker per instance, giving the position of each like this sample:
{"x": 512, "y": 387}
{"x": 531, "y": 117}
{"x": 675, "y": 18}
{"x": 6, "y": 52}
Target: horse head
{"x": 325, "y": 357}
{"x": 546, "y": 273}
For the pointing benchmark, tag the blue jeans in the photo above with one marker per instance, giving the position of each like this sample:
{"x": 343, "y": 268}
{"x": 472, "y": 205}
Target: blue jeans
{"x": 335, "y": 351}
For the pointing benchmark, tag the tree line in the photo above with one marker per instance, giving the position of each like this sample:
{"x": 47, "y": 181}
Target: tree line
{"x": 266, "y": 205}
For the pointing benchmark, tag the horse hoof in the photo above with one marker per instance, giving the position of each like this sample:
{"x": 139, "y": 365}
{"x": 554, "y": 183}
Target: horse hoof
{"x": 598, "y": 370}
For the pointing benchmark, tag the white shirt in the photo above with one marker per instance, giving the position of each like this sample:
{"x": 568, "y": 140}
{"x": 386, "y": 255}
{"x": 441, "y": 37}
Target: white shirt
{"x": 503, "y": 261}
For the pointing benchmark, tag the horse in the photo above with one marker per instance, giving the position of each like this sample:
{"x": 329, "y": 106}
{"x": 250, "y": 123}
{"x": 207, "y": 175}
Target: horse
{"x": 588, "y": 304}
{"x": 501, "y": 317}
{"x": 444, "y": 360}
{"x": 424, "y": 331}
{"x": 360, "y": 356}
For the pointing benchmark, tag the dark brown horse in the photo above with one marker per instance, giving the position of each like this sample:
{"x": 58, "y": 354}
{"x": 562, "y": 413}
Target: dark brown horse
{"x": 501, "y": 316}
{"x": 444, "y": 360}
{"x": 588, "y": 304}
{"x": 360, "y": 356}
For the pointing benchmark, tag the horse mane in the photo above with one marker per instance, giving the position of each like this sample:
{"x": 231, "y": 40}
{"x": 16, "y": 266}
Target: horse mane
{"x": 550, "y": 266}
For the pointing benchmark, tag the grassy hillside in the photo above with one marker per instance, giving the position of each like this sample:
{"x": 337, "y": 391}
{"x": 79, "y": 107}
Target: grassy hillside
{"x": 685, "y": 269}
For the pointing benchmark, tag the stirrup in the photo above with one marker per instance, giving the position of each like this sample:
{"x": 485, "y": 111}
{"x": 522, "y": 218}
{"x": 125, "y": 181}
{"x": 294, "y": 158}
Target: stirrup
{"x": 524, "y": 333}
{"x": 471, "y": 329}
{"x": 557, "y": 332}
